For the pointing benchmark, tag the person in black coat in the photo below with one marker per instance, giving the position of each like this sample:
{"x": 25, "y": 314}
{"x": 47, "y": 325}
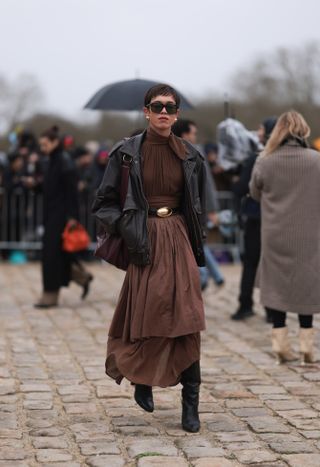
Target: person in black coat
{"x": 251, "y": 220}
{"x": 15, "y": 191}
{"x": 60, "y": 206}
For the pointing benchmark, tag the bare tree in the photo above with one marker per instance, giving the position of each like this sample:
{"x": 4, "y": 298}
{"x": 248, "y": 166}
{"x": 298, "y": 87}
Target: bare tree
{"x": 288, "y": 76}
{"x": 18, "y": 100}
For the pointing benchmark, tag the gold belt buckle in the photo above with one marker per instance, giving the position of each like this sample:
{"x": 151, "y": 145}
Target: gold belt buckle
{"x": 164, "y": 212}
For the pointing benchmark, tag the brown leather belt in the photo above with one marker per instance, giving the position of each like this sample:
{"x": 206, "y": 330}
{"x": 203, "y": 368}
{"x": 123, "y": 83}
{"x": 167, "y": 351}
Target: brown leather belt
{"x": 163, "y": 212}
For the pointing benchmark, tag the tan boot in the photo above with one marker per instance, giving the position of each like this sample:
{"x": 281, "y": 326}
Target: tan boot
{"x": 48, "y": 299}
{"x": 306, "y": 338}
{"x": 281, "y": 345}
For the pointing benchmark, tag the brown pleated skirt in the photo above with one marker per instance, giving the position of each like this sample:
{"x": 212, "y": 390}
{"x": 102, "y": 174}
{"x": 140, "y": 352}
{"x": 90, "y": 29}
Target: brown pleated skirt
{"x": 155, "y": 331}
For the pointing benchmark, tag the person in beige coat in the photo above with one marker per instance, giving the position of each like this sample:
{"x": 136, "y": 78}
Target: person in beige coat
{"x": 286, "y": 180}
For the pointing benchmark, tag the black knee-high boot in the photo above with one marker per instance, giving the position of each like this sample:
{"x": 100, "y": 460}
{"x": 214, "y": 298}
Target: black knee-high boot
{"x": 190, "y": 380}
{"x": 144, "y": 397}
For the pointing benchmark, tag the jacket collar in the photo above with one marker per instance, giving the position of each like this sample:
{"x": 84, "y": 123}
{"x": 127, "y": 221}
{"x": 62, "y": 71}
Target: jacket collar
{"x": 295, "y": 141}
{"x": 132, "y": 147}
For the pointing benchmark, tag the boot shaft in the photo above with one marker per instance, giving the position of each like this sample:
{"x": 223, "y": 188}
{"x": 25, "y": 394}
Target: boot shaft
{"x": 306, "y": 339}
{"x": 190, "y": 407}
{"x": 281, "y": 345}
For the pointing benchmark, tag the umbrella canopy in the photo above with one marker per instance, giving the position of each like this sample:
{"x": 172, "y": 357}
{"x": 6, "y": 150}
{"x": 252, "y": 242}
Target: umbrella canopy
{"x": 126, "y": 95}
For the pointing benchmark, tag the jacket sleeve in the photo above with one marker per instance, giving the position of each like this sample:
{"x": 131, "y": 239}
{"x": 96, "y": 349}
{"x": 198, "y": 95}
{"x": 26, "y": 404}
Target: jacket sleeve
{"x": 202, "y": 183}
{"x": 212, "y": 202}
{"x": 241, "y": 187}
{"x": 256, "y": 182}
{"x": 106, "y": 206}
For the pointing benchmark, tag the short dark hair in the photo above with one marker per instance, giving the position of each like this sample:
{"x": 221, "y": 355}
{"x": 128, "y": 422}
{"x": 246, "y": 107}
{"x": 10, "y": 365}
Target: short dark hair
{"x": 51, "y": 133}
{"x": 211, "y": 147}
{"x": 13, "y": 156}
{"x": 182, "y": 126}
{"x": 79, "y": 152}
{"x": 161, "y": 90}
{"x": 26, "y": 139}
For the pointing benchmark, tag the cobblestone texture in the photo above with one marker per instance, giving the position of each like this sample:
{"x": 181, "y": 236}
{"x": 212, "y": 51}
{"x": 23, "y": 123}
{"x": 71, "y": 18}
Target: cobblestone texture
{"x": 57, "y": 408}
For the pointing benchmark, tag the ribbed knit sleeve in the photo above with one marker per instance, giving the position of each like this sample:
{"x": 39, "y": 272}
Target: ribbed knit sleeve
{"x": 256, "y": 182}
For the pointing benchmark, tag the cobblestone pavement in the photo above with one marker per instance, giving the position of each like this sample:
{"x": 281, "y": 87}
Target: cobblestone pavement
{"x": 57, "y": 408}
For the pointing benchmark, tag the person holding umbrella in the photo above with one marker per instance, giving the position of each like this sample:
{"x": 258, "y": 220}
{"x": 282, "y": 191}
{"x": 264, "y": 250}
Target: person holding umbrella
{"x": 154, "y": 337}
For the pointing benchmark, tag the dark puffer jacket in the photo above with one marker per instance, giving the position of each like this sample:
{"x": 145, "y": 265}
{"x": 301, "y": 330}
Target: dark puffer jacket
{"x": 131, "y": 222}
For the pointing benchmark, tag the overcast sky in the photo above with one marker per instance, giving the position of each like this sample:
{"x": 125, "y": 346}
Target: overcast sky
{"x": 75, "y": 47}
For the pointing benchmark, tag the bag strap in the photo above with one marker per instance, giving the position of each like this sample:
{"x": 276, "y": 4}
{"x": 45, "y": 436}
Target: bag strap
{"x": 125, "y": 171}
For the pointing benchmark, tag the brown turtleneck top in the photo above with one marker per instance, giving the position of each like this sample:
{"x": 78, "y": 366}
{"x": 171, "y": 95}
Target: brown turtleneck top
{"x": 162, "y": 170}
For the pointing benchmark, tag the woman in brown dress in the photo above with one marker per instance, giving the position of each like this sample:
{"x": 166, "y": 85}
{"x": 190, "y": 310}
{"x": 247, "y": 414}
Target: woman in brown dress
{"x": 154, "y": 337}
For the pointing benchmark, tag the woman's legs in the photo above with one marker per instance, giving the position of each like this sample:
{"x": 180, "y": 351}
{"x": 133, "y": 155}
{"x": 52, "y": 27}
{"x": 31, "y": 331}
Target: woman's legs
{"x": 80, "y": 276}
{"x": 306, "y": 321}
{"x": 279, "y": 317}
{"x": 204, "y": 276}
{"x": 213, "y": 266}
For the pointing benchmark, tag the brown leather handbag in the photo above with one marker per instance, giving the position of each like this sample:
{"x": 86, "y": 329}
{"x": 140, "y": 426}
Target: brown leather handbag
{"x": 112, "y": 248}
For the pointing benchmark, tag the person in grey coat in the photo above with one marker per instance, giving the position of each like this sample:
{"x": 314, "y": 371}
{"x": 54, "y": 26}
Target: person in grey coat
{"x": 286, "y": 180}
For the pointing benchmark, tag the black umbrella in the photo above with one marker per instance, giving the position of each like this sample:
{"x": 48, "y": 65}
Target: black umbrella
{"x": 126, "y": 95}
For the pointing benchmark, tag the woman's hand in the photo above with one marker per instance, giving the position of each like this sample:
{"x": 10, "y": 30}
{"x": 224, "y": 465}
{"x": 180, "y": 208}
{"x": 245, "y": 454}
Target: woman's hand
{"x": 72, "y": 223}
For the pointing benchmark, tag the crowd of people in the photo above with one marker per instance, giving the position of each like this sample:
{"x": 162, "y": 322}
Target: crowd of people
{"x": 22, "y": 171}
{"x": 23, "y": 166}
{"x": 22, "y": 174}
{"x": 229, "y": 164}
{"x": 22, "y": 178}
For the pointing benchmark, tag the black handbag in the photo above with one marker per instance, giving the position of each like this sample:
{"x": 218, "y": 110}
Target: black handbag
{"x": 110, "y": 247}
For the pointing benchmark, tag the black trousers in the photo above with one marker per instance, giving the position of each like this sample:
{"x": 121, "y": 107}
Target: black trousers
{"x": 192, "y": 374}
{"x": 251, "y": 257}
{"x": 279, "y": 319}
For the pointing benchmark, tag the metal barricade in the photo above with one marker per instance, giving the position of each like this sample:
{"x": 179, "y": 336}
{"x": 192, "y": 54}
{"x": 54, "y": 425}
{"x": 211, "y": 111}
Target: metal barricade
{"x": 21, "y": 219}
{"x": 21, "y": 214}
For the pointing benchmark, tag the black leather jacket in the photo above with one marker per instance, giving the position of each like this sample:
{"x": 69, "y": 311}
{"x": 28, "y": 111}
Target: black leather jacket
{"x": 131, "y": 222}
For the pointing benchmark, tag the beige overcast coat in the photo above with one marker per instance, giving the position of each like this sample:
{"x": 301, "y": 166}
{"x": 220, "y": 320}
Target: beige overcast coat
{"x": 287, "y": 183}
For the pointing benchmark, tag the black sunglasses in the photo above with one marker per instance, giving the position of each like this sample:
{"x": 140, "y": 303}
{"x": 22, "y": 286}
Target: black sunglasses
{"x": 157, "y": 107}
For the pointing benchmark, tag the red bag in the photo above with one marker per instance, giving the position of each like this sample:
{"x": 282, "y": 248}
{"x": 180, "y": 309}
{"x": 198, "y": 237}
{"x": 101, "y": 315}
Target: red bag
{"x": 75, "y": 237}
{"x": 112, "y": 248}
